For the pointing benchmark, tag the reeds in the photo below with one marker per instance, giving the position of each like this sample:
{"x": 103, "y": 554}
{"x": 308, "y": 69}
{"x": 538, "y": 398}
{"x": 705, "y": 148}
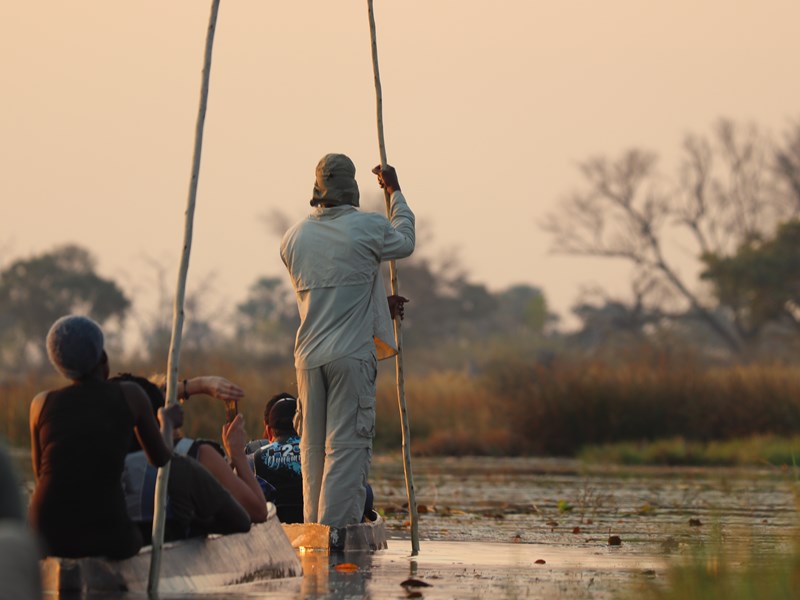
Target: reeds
{"x": 756, "y": 450}
{"x": 718, "y": 572}
{"x": 519, "y": 408}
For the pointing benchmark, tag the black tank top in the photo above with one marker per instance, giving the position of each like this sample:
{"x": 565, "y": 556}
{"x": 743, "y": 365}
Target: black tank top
{"x": 78, "y": 505}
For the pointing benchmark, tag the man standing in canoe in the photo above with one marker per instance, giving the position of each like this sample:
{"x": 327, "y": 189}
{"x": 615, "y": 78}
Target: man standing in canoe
{"x": 333, "y": 257}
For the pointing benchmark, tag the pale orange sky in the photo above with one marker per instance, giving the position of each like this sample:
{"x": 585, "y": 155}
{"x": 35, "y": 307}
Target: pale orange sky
{"x": 488, "y": 106}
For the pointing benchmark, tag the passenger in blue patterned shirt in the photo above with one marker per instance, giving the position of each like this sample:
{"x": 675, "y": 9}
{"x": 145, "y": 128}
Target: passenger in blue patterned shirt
{"x": 276, "y": 460}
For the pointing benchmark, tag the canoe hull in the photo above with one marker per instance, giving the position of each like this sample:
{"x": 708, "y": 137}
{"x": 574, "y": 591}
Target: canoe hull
{"x": 186, "y": 566}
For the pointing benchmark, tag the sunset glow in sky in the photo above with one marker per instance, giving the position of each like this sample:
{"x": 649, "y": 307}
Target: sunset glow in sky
{"x": 488, "y": 107}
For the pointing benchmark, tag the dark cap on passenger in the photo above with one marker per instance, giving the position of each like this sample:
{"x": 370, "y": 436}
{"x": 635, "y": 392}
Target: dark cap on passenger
{"x": 281, "y": 415}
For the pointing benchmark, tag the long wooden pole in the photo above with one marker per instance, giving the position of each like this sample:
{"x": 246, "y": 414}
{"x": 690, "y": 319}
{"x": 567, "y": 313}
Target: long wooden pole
{"x": 159, "y": 518}
{"x": 398, "y": 330}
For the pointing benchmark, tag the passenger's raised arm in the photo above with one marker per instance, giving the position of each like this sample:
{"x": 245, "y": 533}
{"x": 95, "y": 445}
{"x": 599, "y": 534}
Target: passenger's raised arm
{"x": 211, "y": 385}
{"x": 154, "y": 438}
{"x": 242, "y": 483}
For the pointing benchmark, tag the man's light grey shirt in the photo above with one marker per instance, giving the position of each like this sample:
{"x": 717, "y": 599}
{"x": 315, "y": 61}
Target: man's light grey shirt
{"x": 333, "y": 257}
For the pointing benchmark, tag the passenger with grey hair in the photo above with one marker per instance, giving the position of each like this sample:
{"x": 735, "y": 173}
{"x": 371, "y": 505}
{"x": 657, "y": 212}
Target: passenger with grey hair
{"x": 80, "y": 435}
{"x": 333, "y": 257}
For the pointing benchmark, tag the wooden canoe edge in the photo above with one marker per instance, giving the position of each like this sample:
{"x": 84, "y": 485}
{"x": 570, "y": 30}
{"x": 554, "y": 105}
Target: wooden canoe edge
{"x": 191, "y": 565}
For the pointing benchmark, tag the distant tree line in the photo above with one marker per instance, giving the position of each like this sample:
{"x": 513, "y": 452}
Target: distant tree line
{"x": 445, "y": 311}
{"x": 732, "y": 206}
{"x": 36, "y": 291}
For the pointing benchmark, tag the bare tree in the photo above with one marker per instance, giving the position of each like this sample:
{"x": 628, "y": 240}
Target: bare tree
{"x": 787, "y": 158}
{"x": 37, "y": 290}
{"x": 201, "y": 331}
{"x": 727, "y": 192}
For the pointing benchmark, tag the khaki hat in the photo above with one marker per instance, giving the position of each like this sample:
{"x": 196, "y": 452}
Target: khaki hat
{"x": 335, "y": 183}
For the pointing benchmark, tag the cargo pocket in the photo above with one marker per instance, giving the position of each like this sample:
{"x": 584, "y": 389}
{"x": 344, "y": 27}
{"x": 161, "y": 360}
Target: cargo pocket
{"x": 365, "y": 419}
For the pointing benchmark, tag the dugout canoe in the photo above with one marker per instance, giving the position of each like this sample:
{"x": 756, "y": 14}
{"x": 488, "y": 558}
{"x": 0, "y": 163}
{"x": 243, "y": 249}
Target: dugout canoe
{"x": 361, "y": 537}
{"x": 193, "y": 565}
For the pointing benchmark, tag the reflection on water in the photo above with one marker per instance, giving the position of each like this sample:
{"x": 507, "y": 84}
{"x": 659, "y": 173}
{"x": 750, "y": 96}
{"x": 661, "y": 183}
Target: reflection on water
{"x": 489, "y": 523}
{"x": 326, "y": 575}
{"x": 464, "y": 570}
{"x": 342, "y": 575}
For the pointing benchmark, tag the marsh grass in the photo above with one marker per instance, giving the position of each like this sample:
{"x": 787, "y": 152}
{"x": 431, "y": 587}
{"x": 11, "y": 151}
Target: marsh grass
{"x": 635, "y": 413}
{"x": 449, "y": 414}
{"x": 715, "y": 573}
{"x": 559, "y": 410}
{"x": 15, "y": 404}
{"x": 719, "y": 569}
{"x": 757, "y": 450}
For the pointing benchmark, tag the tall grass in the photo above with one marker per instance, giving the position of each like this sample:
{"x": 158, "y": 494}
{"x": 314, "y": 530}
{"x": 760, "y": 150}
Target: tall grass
{"x": 720, "y": 573}
{"x": 513, "y": 408}
{"x": 560, "y": 409}
{"x": 755, "y": 450}
{"x": 449, "y": 414}
{"x": 15, "y": 404}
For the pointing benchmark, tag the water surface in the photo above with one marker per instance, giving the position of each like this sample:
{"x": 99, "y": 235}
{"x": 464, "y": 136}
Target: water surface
{"x": 540, "y": 528}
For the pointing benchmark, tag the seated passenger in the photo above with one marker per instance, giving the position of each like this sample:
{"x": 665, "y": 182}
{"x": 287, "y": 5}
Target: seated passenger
{"x": 80, "y": 435}
{"x": 197, "y": 504}
{"x": 276, "y": 460}
{"x": 237, "y": 478}
{"x": 19, "y": 555}
{"x": 254, "y": 445}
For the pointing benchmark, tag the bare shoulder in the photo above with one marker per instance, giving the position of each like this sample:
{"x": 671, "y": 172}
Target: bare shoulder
{"x": 207, "y": 455}
{"x": 36, "y": 406}
{"x": 212, "y": 460}
{"x": 39, "y": 398}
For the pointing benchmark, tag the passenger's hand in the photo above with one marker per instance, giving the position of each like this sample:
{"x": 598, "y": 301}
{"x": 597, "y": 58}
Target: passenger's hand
{"x": 217, "y": 387}
{"x": 396, "y": 306}
{"x": 234, "y": 436}
{"x": 173, "y": 415}
{"x": 387, "y": 178}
